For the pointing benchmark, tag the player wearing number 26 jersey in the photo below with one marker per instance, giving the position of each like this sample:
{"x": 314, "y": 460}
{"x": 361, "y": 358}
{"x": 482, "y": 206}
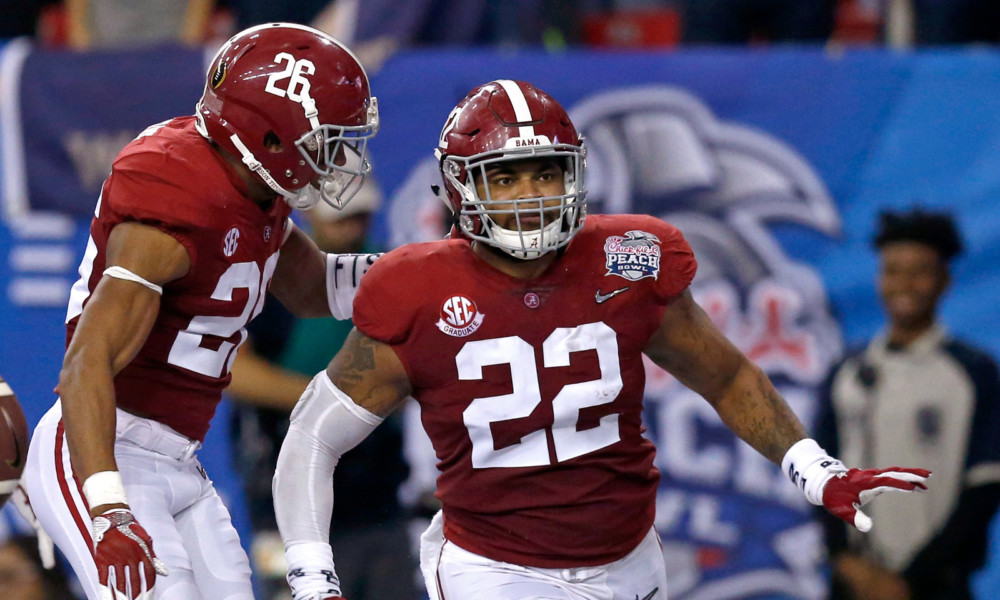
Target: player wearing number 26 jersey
{"x": 531, "y": 391}
{"x": 522, "y": 338}
{"x": 191, "y": 231}
{"x": 178, "y": 375}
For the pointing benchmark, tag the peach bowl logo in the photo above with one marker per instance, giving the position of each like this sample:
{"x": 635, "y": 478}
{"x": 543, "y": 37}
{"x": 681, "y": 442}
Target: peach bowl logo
{"x": 634, "y": 256}
{"x": 459, "y": 317}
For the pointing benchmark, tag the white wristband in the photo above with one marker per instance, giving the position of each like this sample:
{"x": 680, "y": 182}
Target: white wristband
{"x": 343, "y": 276}
{"x": 311, "y": 573}
{"x": 810, "y": 467}
{"x": 103, "y": 488}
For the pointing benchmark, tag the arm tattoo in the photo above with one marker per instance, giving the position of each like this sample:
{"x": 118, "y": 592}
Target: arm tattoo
{"x": 367, "y": 371}
{"x": 764, "y": 420}
{"x": 357, "y": 360}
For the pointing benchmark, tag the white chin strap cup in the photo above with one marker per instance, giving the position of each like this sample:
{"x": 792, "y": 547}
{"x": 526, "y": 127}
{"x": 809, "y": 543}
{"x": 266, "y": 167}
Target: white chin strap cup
{"x": 526, "y": 245}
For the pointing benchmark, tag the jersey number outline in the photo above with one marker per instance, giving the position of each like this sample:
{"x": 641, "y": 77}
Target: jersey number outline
{"x": 295, "y": 71}
{"x": 568, "y": 442}
{"x": 187, "y": 351}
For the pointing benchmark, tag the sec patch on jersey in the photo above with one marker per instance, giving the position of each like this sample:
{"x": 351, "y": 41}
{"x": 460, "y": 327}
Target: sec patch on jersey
{"x": 13, "y": 441}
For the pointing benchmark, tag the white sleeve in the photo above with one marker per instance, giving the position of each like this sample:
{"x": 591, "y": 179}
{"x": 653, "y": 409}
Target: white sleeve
{"x": 325, "y": 424}
{"x": 343, "y": 276}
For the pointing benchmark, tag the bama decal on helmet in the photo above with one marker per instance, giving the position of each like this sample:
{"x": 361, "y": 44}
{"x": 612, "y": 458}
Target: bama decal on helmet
{"x": 459, "y": 317}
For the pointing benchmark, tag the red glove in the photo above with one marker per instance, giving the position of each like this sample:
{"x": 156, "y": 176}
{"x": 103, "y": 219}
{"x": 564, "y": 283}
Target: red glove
{"x": 845, "y": 493}
{"x": 126, "y": 565}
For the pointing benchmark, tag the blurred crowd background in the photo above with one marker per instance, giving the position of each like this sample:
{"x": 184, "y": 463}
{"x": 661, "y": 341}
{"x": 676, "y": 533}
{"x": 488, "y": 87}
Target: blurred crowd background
{"x": 95, "y": 24}
{"x": 772, "y": 132}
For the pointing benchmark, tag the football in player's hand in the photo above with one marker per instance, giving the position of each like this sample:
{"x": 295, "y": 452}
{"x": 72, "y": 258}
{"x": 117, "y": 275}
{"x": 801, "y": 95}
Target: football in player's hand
{"x": 13, "y": 441}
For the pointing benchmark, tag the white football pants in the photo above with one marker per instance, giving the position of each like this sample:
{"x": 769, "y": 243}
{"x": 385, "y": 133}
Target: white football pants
{"x": 170, "y": 496}
{"x": 452, "y": 573}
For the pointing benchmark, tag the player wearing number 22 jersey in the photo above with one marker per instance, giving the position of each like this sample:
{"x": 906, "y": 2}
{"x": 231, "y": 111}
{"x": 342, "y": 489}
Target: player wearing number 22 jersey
{"x": 522, "y": 338}
{"x": 531, "y": 391}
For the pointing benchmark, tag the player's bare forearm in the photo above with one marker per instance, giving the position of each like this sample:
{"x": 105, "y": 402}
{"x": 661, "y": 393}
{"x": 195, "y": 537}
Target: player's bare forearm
{"x": 299, "y": 280}
{"x": 111, "y": 330}
{"x": 370, "y": 373}
{"x": 692, "y": 349}
{"x": 754, "y": 410}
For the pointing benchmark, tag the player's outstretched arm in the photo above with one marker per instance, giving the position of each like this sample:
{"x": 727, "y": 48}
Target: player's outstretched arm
{"x": 342, "y": 406}
{"x": 112, "y": 328}
{"x": 691, "y": 348}
{"x": 312, "y": 283}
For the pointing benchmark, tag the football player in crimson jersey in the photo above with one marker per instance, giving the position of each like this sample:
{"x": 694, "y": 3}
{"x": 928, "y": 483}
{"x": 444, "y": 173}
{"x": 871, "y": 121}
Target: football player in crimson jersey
{"x": 522, "y": 340}
{"x": 191, "y": 230}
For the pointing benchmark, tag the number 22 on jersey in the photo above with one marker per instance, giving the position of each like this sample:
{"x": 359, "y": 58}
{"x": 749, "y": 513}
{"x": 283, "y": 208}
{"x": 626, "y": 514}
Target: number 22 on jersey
{"x": 533, "y": 450}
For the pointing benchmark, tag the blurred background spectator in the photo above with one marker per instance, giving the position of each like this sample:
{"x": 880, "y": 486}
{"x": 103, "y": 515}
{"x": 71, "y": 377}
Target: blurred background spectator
{"x": 742, "y": 21}
{"x": 370, "y": 536}
{"x": 30, "y": 569}
{"x": 916, "y": 393}
{"x": 247, "y": 13}
{"x": 22, "y": 576}
{"x": 92, "y": 24}
{"x": 956, "y": 21}
{"x": 20, "y": 17}
{"x": 378, "y": 28}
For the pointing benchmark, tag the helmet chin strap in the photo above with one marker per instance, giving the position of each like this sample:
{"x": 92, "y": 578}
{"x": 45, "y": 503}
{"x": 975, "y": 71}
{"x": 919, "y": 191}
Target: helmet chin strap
{"x": 254, "y": 165}
{"x": 514, "y": 242}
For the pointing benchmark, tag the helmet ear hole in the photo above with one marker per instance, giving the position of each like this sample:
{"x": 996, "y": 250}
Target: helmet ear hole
{"x": 272, "y": 142}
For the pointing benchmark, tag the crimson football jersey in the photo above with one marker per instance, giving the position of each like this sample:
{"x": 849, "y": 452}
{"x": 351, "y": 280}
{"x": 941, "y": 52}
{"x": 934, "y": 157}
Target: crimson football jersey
{"x": 531, "y": 390}
{"x": 171, "y": 179}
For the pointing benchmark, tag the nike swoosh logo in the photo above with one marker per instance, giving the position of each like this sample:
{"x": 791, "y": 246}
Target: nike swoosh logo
{"x": 649, "y": 595}
{"x": 16, "y": 463}
{"x": 602, "y": 298}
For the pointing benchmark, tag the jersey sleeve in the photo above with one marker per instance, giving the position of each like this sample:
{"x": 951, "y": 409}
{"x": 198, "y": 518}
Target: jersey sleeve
{"x": 677, "y": 262}
{"x": 384, "y": 305}
{"x": 147, "y": 194}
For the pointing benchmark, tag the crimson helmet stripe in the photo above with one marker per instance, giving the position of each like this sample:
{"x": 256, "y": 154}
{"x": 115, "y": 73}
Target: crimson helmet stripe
{"x": 522, "y": 112}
